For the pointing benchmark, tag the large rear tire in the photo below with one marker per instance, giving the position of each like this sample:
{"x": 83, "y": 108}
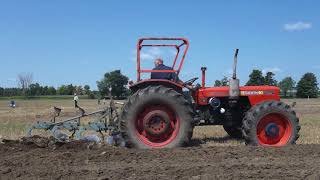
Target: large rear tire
{"x": 156, "y": 117}
{"x": 271, "y": 123}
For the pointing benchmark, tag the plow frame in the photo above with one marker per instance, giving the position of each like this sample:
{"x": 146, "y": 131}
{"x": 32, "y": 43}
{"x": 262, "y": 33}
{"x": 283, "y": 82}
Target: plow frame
{"x": 107, "y": 122}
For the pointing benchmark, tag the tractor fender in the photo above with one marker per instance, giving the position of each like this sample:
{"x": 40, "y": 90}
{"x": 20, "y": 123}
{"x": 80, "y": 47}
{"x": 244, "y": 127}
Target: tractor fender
{"x": 156, "y": 82}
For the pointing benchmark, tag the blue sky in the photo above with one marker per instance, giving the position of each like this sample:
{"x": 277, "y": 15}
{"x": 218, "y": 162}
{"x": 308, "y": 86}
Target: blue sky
{"x": 76, "y": 42}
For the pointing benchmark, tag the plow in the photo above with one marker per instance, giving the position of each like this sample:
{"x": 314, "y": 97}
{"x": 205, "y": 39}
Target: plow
{"x": 104, "y": 122}
{"x": 159, "y": 114}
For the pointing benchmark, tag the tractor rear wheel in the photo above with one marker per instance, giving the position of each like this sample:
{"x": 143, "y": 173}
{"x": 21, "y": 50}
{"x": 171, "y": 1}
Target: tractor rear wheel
{"x": 271, "y": 123}
{"x": 156, "y": 117}
{"x": 233, "y": 131}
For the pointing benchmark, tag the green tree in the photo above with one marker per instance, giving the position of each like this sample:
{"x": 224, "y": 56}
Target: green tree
{"x": 86, "y": 89}
{"x": 44, "y": 90}
{"x": 66, "y": 89}
{"x": 1, "y": 91}
{"x": 88, "y": 92}
{"x": 62, "y": 90}
{"x": 223, "y": 82}
{"x": 116, "y": 81}
{"x": 70, "y": 89}
{"x": 217, "y": 83}
{"x": 255, "y": 78}
{"x": 307, "y": 86}
{"x": 286, "y": 85}
{"x": 269, "y": 80}
{"x": 34, "y": 89}
{"x": 12, "y": 92}
{"x": 52, "y": 91}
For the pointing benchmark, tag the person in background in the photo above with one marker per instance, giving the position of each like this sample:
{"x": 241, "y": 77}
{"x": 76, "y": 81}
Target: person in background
{"x": 76, "y": 99}
{"x": 12, "y": 104}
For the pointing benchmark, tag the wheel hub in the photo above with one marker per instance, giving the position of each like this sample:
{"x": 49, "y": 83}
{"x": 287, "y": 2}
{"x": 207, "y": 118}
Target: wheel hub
{"x": 156, "y": 122}
{"x": 272, "y": 130}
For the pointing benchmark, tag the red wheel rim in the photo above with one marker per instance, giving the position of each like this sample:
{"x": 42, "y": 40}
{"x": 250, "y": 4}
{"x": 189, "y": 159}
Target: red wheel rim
{"x": 157, "y": 126}
{"x": 274, "y": 129}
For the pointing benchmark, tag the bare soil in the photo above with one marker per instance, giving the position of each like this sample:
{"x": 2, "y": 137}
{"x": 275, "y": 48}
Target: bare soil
{"x": 41, "y": 158}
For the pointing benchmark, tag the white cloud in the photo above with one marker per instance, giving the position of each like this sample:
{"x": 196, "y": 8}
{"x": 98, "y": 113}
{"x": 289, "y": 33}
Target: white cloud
{"x": 146, "y": 56}
{"x": 297, "y": 26}
{"x": 274, "y": 70}
{"x": 150, "y": 53}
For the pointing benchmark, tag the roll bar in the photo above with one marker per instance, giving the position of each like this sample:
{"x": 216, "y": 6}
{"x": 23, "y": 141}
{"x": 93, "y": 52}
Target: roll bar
{"x": 177, "y": 46}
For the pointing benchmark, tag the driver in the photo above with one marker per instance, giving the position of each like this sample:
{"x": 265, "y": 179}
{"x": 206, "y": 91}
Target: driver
{"x": 158, "y": 63}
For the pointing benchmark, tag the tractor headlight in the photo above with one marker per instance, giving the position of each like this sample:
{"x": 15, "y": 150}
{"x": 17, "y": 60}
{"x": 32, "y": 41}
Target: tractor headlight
{"x": 214, "y": 102}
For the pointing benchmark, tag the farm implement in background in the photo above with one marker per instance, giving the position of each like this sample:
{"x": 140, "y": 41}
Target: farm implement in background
{"x": 104, "y": 121}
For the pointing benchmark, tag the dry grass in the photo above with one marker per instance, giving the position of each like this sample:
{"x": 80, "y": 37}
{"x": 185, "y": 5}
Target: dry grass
{"x": 13, "y": 122}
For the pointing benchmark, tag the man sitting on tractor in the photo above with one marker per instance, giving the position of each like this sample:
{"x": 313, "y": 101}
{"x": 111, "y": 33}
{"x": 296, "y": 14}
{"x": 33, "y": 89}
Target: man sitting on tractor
{"x": 158, "y": 63}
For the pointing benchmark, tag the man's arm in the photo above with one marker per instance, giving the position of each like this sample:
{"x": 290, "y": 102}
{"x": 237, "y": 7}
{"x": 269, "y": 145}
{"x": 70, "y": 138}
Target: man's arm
{"x": 175, "y": 78}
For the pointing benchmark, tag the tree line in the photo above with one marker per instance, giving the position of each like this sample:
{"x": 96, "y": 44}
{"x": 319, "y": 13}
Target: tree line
{"x": 306, "y": 87}
{"x": 35, "y": 89}
{"x": 115, "y": 81}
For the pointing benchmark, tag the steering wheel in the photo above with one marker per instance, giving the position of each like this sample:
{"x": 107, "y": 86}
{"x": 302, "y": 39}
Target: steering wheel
{"x": 190, "y": 81}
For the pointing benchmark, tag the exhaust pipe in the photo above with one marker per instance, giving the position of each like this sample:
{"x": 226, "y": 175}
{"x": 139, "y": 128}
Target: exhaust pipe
{"x": 203, "y": 82}
{"x": 234, "y": 90}
{"x": 235, "y": 61}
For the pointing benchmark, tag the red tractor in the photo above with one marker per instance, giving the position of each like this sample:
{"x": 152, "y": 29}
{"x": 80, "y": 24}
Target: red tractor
{"x": 159, "y": 114}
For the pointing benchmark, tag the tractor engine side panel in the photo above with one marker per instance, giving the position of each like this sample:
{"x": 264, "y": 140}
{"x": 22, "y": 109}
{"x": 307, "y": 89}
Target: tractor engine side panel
{"x": 225, "y": 113}
{"x": 255, "y": 94}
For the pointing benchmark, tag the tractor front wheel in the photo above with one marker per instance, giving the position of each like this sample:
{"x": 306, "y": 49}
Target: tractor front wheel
{"x": 271, "y": 123}
{"x": 156, "y": 117}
